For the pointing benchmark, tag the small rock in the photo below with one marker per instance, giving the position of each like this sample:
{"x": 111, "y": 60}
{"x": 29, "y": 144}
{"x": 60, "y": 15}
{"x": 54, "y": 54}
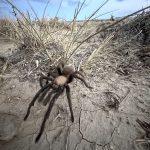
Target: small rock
{"x": 13, "y": 86}
{"x": 38, "y": 112}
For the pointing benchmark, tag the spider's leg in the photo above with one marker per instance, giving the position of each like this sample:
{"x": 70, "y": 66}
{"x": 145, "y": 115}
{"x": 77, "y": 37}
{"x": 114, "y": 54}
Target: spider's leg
{"x": 47, "y": 114}
{"x": 144, "y": 125}
{"x": 78, "y": 72}
{"x": 48, "y": 97}
{"x": 59, "y": 71}
{"x": 70, "y": 79}
{"x": 45, "y": 78}
{"x": 34, "y": 99}
{"x": 60, "y": 68}
{"x": 69, "y": 102}
{"x": 43, "y": 94}
{"x": 76, "y": 76}
{"x": 50, "y": 78}
{"x": 52, "y": 75}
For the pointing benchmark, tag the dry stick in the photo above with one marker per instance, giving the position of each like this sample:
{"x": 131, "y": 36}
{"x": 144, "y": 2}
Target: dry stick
{"x": 44, "y": 13}
{"x": 105, "y": 42}
{"x": 59, "y": 8}
{"x": 55, "y": 16}
{"x": 55, "y": 20}
{"x": 19, "y": 22}
{"x": 113, "y": 24}
{"x": 93, "y": 19}
{"x": 88, "y": 19}
{"x": 77, "y": 11}
{"x": 33, "y": 10}
{"x": 108, "y": 12}
{"x": 40, "y": 21}
{"x": 6, "y": 76}
{"x": 46, "y": 8}
{"x": 80, "y": 30}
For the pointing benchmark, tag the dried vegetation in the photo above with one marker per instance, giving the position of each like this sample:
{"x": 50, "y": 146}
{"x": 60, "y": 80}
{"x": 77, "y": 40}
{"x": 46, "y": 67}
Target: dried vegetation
{"x": 91, "y": 45}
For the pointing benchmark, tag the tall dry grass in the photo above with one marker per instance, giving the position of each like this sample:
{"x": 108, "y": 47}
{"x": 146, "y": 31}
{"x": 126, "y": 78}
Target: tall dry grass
{"x": 37, "y": 35}
{"x": 40, "y": 34}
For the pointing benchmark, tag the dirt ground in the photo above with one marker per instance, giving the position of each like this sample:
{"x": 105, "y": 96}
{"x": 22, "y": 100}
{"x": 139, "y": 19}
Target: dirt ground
{"x": 98, "y": 124}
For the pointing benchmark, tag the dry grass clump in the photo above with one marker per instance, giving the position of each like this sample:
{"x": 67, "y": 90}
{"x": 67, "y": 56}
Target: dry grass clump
{"x": 59, "y": 24}
{"x": 6, "y": 28}
{"x": 43, "y": 43}
{"x": 40, "y": 34}
{"x": 118, "y": 52}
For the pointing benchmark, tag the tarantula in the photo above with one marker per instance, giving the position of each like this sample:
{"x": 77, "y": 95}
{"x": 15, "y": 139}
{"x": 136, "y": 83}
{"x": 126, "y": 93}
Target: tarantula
{"x": 53, "y": 87}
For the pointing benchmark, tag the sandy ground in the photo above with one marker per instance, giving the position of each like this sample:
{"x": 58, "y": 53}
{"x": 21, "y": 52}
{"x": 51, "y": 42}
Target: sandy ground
{"x": 97, "y": 126}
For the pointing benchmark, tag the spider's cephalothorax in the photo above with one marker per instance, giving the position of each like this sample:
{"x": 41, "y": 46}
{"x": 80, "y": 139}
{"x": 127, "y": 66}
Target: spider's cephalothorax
{"x": 53, "y": 87}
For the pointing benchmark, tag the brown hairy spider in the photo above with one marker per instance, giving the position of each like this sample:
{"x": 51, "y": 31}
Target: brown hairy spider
{"x": 55, "y": 86}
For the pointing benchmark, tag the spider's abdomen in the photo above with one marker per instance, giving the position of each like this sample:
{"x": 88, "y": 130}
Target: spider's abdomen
{"x": 68, "y": 70}
{"x": 60, "y": 80}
